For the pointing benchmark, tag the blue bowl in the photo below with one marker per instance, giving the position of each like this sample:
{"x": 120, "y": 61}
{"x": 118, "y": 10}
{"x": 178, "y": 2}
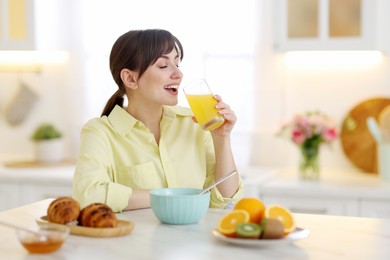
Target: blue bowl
{"x": 179, "y": 206}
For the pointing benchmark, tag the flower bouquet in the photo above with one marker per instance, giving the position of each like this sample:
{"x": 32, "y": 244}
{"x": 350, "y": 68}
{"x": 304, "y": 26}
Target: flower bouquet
{"x": 309, "y": 131}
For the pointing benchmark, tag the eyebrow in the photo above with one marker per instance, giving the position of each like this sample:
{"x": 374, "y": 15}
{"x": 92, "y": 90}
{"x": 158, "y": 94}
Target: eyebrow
{"x": 167, "y": 58}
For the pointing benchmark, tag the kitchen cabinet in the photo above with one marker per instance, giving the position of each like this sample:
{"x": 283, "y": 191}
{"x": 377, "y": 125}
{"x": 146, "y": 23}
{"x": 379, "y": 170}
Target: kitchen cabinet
{"x": 17, "y": 25}
{"x": 314, "y": 204}
{"x": 9, "y": 196}
{"x": 339, "y": 192}
{"x": 375, "y": 208}
{"x": 20, "y": 186}
{"x": 324, "y": 25}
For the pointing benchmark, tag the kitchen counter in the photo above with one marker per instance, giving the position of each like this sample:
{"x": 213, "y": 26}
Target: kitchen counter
{"x": 21, "y": 185}
{"x": 49, "y": 174}
{"x": 331, "y": 237}
{"x": 337, "y": 192}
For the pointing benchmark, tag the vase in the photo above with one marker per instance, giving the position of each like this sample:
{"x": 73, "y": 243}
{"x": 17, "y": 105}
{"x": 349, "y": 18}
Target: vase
{"x": 309, "y": 168}
{"x": 50, "y": 151}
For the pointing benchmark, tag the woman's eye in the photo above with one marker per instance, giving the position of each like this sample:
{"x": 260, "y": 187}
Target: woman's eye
{"x": 163, "y": 67}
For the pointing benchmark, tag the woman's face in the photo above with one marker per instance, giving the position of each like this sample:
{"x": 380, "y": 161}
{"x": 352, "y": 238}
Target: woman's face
{"x": 160, "y": 82}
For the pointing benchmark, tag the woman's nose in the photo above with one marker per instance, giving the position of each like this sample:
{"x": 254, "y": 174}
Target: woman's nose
{"x": 177, "y": 74}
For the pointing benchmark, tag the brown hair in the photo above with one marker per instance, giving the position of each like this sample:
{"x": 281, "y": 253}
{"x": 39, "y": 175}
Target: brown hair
{"x": 136, "y": 50}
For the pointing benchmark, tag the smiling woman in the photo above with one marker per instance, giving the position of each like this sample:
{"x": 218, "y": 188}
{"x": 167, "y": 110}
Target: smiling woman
{"x": 151, "y": 131}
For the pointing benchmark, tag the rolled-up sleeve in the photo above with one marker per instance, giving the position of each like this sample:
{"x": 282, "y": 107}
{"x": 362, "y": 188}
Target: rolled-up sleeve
{"x": 93, "y": 181}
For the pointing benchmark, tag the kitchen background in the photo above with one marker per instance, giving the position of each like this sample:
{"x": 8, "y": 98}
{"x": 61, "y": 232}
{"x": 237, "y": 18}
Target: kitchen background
{"x": 232, "y": 43}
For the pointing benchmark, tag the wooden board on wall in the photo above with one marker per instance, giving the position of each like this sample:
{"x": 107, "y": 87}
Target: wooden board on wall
{"x": 357, "y": 142}
{"x": 37, "y": 164}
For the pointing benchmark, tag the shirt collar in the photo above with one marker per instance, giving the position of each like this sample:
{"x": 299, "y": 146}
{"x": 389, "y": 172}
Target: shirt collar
{"x": 123, "y": 122}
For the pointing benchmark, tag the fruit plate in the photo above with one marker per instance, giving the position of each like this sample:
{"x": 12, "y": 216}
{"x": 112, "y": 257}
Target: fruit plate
{"x": 297, "y": 234}
{"x": 124, "y": 228}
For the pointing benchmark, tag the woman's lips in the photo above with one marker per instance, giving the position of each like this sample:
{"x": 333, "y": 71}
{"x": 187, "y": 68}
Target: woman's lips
{"x": 173, "y": 90}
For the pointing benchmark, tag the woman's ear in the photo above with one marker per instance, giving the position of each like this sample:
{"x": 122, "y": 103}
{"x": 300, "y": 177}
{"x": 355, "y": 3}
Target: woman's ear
{"x": 129, "y": 78}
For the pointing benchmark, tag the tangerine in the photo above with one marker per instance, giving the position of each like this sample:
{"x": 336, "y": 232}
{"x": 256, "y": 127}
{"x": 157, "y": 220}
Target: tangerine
{"x": 227, "y": 224}
{"x": 283, "y": 214}
{"x": 254, "y": 206}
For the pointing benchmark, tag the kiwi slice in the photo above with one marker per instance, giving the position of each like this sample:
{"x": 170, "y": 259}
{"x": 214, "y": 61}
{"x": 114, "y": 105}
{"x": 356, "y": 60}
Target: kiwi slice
{"x": 248, "y": 230}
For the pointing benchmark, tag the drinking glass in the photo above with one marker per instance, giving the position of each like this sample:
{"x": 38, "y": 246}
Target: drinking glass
{"x": 202, "y": 103}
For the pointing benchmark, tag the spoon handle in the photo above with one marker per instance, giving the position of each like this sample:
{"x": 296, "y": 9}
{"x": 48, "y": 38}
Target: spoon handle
{"x": 218, "y": 181}
{"x": 16, "y": 227}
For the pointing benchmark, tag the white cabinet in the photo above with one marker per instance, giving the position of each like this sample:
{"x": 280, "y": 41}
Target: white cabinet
{"x": 29, "y": 193}
{"x": 324, "y": 24}
{"x": 9, "y": 196}
{"x": 375, "y": 208}
{"x": 17, "y": 25}
{"x": 338, "y": 192}
{"x": 314, "y": 205}
{"x": 20, "y": 186}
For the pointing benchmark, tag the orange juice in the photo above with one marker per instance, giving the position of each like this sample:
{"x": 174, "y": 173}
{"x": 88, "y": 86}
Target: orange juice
{"x": 203, "y": 107}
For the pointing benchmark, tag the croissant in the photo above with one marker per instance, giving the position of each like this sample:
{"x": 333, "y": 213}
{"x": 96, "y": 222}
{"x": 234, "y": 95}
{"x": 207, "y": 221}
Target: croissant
{"x": 97, "y": 215}
{"x": 63, "y": 210}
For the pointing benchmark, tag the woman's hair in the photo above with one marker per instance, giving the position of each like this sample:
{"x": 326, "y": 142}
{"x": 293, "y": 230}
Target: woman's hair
{"x": 136, "y": 50}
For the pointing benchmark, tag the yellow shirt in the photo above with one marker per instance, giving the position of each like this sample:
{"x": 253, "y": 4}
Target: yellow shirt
{"x": 118, "y": 154}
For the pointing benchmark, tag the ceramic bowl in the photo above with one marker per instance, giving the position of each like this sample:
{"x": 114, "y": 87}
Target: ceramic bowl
{"x": 47, "y": 239}
{"x": 179, "y": 206}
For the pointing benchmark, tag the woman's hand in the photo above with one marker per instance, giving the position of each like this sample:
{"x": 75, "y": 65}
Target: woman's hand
{"x": 228, "y": 115}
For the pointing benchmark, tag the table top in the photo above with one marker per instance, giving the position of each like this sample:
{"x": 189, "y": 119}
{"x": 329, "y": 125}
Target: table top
{"x": 331, "y": 237}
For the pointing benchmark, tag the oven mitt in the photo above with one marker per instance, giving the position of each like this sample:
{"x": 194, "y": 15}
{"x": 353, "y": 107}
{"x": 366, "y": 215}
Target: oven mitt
{"x": 22, "y": 103}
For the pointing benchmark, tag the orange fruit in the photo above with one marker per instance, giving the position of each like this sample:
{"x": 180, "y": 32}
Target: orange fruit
{"x": 227, "y": 224}
{"x": 283, "y": 214}
{"x": 254, "y": 206}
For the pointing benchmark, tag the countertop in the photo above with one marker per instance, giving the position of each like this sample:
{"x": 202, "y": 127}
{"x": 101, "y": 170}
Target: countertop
{"x": 332, "y": 183}
{"x": 50, "y": 174}
{"x": 331, "y": 237}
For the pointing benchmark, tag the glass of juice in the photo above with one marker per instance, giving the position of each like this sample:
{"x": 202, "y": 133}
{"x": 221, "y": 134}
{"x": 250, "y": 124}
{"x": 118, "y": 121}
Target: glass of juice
{"x": 202, "y": 103}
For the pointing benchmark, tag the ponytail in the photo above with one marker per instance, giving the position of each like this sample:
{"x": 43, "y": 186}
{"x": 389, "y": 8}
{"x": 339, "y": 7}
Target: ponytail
{"x": 115, "y": 99}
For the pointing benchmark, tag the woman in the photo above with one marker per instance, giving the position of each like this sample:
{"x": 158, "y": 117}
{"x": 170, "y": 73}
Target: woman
{"x": 151, "y": 143}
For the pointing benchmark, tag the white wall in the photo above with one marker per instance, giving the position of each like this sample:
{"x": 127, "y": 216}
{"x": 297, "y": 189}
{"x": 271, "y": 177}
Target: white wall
{"x": 72, "y": 93}
{"x": 284, "y": 90}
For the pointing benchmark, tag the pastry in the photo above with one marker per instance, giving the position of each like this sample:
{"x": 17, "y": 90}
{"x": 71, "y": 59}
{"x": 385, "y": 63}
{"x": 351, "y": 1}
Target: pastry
{"x": 63, "y": 210}
{"x": 97, "y": 215}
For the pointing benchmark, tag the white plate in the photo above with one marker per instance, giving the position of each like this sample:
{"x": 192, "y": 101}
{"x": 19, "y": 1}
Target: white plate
{"x": 298, "y": 234}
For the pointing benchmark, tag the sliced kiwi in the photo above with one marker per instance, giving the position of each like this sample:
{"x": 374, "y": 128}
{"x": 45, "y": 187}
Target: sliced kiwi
{"x": 272, "y": 228}
{"x": 248, "y": 230}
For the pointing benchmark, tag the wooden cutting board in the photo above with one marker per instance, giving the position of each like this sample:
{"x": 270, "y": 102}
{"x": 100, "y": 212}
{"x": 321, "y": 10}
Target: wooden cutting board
{"x": 358, "y": 144}
{"x": 37, "y": 164}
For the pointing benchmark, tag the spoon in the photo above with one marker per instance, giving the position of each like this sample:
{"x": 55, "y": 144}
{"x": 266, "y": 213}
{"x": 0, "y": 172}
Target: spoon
{"x": 20, "y": 228}
{"x": 218, "y": 182}
{"x": 374, "y": 129}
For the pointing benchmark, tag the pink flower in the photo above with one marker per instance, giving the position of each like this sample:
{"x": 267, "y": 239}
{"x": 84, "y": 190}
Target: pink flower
{"x": 298, "y": 136}
{"x": 329, "y": 134}
{"x": 314, "y": 127}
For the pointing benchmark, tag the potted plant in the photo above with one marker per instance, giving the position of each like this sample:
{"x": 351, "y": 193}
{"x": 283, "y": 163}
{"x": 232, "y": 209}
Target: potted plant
{"x": 48, "y": 143}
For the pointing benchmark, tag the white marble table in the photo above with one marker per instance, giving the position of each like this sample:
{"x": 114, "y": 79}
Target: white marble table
{"x": 331, "y": 237}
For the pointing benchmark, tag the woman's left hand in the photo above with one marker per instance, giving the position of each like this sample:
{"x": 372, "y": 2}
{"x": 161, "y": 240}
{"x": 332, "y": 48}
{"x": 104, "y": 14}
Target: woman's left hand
{"x": 228, "y": 115}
